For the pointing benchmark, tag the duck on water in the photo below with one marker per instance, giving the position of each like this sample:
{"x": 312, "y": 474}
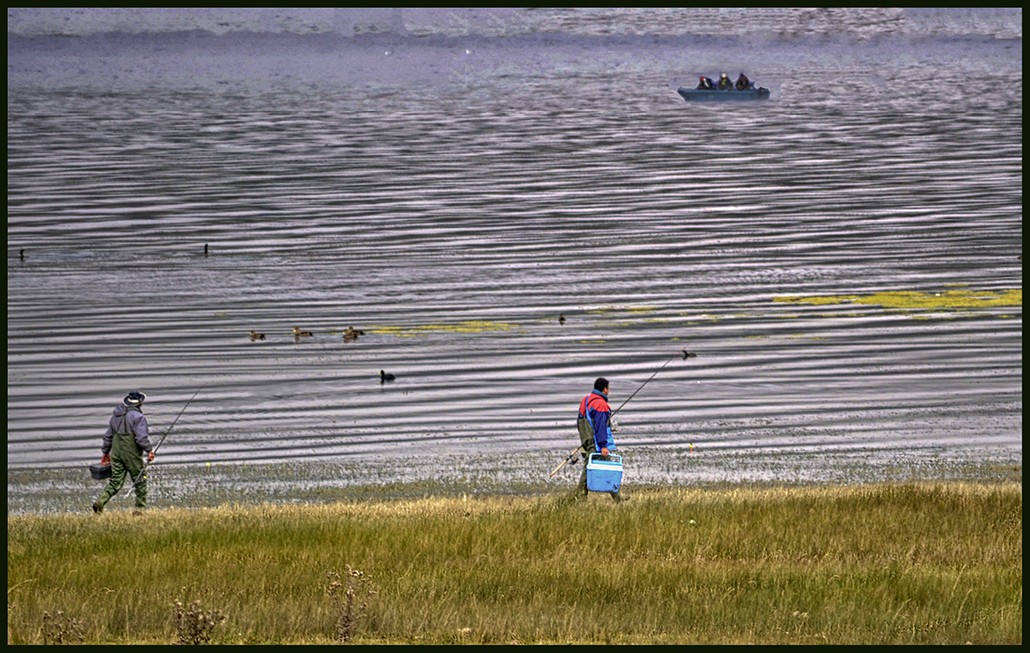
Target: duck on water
{"x": 351, "y": 334}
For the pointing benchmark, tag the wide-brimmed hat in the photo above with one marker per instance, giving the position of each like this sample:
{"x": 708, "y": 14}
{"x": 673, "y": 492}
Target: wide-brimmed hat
{"x": 134, "y": 398}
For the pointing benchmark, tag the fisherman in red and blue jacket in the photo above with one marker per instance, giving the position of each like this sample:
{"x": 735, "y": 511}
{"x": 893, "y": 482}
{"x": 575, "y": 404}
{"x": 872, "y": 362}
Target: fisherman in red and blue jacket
{"x": 595, "y": 427}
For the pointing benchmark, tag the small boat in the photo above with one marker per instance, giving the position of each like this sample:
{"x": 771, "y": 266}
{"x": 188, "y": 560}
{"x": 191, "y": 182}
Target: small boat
{"x": 727, "y": 95}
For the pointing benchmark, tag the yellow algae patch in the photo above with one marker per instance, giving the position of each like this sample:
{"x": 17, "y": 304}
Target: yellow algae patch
{"x": 468, "y": 326}
{"x": 816, "y": 300}
{"x": 611, "y": 310}
{"x": 913, "y": 300}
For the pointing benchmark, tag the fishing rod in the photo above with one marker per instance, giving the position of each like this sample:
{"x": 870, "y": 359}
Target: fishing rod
{"x": 571, "y": 458}
{"x": 167, "y": 431}
{"x": 645, "y": 383}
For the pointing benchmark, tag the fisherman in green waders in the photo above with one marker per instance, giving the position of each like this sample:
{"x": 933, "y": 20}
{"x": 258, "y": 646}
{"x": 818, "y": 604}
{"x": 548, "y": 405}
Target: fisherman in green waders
{"x": 595, "y": 429}
{"x": 124, "y": 443}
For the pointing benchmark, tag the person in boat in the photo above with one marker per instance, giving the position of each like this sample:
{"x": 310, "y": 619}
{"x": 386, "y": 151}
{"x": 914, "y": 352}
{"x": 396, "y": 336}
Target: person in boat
{"x": 704, "y": 83}
{"x": 126, "y": 439}
{"x": 743, "y": 83}
{"x": 595, "y": 429}
{"x": 724, "y": 82}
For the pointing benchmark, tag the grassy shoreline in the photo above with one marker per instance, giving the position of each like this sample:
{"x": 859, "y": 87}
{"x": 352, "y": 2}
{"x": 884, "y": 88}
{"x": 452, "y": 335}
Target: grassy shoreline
{"x": 889, "y": 563}
{"x": 49, "y": 490}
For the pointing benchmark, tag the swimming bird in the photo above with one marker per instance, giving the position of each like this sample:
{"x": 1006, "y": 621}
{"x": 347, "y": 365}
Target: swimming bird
{"x": 561, "y": 319}
{"x": 351, "y": 334}
{"x": 21, "y": 253}
{"x": 688, "y": 354}
{"x": 205, "y": 249}
{"x": 384, "y": 377}
{"x": 254, "y": 335}
{"x": 298, "y": 333}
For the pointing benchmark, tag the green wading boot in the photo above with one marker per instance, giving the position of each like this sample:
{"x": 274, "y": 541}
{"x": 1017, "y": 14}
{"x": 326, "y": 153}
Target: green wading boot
{"x": 581, "y": 488}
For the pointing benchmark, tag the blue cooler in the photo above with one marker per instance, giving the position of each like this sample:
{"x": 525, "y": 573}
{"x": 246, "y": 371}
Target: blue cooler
{"x": 604, "y": 475}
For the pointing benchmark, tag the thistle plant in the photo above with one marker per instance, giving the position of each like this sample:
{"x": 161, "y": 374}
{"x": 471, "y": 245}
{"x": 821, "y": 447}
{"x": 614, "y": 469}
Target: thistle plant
{"x": 193, "y": 625}
{"x": 350, "y": 600}
{"x": 57, "y": 629}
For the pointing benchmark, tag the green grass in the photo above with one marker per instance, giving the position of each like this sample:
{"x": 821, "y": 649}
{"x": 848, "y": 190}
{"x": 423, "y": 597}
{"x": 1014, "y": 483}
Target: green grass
{"x": 913, "y": 563}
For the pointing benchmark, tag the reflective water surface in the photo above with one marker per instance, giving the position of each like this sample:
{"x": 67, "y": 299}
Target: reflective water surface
{"x": 844, "y": 259}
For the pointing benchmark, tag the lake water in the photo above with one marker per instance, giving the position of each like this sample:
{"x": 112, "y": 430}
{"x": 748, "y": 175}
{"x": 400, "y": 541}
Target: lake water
{"x": 844, "y": 259}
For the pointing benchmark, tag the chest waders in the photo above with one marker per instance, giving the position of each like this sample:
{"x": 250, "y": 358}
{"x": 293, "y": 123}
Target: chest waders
{"x": 586, "y": 433}
{"x": 126, "y": 459}
{"x": 586, "y": 443}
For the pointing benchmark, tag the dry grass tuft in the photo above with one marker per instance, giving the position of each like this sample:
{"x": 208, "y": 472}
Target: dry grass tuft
{"x": 350, "y": 599}
{"x": 194, "y": 625}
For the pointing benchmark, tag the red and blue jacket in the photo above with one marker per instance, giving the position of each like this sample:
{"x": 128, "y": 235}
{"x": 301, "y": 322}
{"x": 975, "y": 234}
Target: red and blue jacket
{"x": 596, "y": 410}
